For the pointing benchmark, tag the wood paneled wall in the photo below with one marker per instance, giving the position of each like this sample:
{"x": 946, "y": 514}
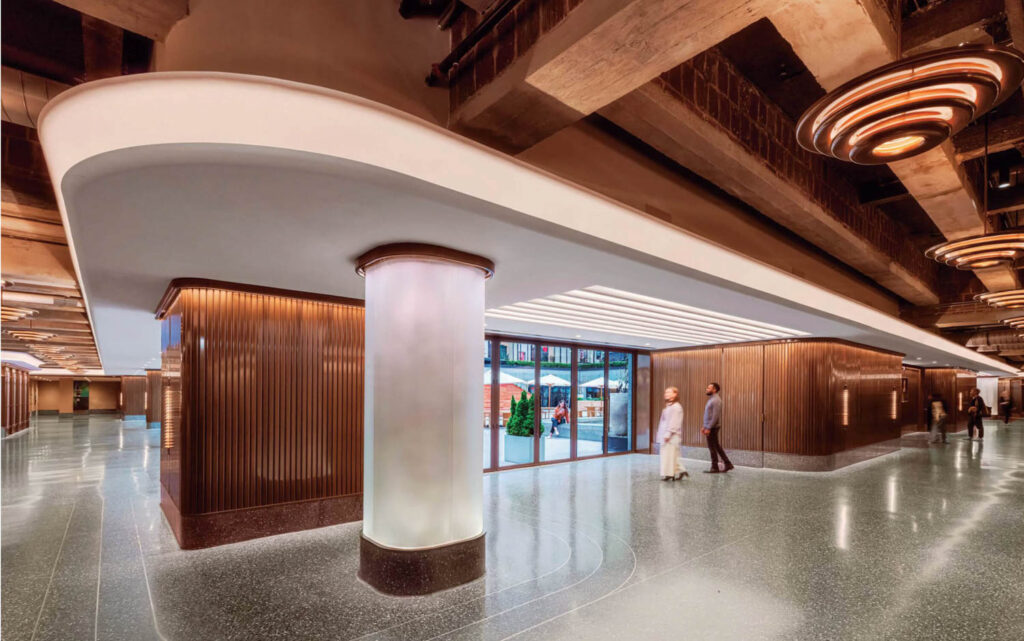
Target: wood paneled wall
{"x": 955, "y": 386}
{"x": 263, "y": 398}
{"x": 808, "y": 397}
{"x": 154, "y": 396}
{"x": 15, "y": 412}
{"x": 913, "y": 402}
{"x": 1014, "y": 388}
{"x": 133, "y": 395}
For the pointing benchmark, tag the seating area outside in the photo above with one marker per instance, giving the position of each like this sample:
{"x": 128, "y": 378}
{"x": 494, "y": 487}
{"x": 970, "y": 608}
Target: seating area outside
{"x": 520, "y": 426}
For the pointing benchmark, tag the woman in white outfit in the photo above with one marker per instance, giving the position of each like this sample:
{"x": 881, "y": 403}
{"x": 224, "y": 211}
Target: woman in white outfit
{"x": 670, "y": 435}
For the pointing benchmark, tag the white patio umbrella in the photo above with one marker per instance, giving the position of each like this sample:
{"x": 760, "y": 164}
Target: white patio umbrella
{"x": 599, "y": 382}
{"x": 550, "y": 380}
{"x": 503, "y": 378}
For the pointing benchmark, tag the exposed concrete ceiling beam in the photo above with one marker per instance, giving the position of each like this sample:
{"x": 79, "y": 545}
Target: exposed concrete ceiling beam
{"x": 663, "y": 122}
{"x": 150, "y": 18}
{"x": 931, "y": 24}
{"x": 957, "y": 316}
{"x": 1003, "y": 200}
{"x": 600, "y": 51}
{"x": 23, "y": 95}
{"x": 934, "y": 179}
{"x": 1003, "y": 133}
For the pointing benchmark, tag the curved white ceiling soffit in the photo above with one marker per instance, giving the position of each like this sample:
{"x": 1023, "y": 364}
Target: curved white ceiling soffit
{"x": 207, "y": 108}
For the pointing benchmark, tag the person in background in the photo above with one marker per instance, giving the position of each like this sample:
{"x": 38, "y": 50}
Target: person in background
{"x": 1005, "y": 407}
{"x": 712, "y": 426}
{"x": 670, "y": 436}
{"x": 976, "y": 410}
{"x": 936, "y": 410}
{"x": 560, "y": 417}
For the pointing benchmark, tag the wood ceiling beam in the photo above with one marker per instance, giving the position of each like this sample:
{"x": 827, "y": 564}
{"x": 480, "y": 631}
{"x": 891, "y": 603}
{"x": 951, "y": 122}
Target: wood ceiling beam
{"x": 931, "y": 24}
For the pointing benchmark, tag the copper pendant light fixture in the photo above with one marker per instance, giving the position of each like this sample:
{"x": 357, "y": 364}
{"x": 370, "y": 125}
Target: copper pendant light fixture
{"x": 1017, "y": 322}
{"x": 912, "y": 105}
{"x": 1008, "y": 299}
{"x": 980, "y": 252}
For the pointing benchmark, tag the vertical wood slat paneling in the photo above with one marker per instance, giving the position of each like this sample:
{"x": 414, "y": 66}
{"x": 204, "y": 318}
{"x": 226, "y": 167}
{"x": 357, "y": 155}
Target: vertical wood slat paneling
{"x": 270, "y": 396}
{"x": 796, "y": 386}
{"x": 16, "y": 410}
{"x": 154, "y": 396}
{"x": 950, "y": 383}
{"x": 742, "y": 384}
{"x": 133, "y": 395}
{"x": 912, "y": 405}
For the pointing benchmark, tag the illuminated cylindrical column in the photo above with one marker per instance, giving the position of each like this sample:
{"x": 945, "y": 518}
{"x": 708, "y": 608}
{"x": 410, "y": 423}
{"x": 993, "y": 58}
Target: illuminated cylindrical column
{"x": 422, "y": 488}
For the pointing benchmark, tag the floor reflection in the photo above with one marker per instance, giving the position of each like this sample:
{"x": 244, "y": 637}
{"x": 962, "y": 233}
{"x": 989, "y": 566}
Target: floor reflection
{"x": 921, "y": 544}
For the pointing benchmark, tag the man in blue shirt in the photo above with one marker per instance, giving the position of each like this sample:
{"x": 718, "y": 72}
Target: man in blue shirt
{"x": 712, "y": 426}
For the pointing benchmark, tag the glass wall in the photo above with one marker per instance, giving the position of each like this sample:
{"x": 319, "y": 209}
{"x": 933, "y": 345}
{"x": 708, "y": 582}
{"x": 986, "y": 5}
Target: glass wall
{"x": 620, "y": 401}
{"x": 555, "y": 402}
{"x": 487, "y": 405}
{"x": 517, "y": 416}
{"x": 590, "y": 402}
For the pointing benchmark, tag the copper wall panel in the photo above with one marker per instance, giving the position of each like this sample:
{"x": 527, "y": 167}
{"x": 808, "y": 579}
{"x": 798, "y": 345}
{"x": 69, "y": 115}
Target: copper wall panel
{"x": 15, "y": 399}
{"x": 263, "y": 400}
{"x": 808, "y": 397}
{"x": 154, "y": 396}
{"x": 965, "y": 382}
{"x": 874, "y": 378}
{"x": 742, "y": 384}
{"x": 133, "y": 395}
{"x": 798, "y": 404}
{"x": 912, "y": 403}
{"x": 955, "y": 386}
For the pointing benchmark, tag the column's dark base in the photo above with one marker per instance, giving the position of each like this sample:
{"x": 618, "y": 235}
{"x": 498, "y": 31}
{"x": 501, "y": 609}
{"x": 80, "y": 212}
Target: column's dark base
{"x": 415, "y": 572}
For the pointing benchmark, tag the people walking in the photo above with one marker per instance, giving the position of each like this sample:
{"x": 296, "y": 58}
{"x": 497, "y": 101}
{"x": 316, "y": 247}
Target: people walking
{"x": 1005, "y": 407}
{"x": 670, "y": 436}
{"x": 976, "y": 410}
{"x": 936, "y": 412}
{"x": 711, "y": 428}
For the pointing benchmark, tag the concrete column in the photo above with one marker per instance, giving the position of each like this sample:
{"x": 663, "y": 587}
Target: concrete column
{"x": 423, "y": 511}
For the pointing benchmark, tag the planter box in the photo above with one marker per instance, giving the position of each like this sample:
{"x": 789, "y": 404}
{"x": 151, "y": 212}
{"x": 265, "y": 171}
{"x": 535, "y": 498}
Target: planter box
{"x": 519, "y": 449}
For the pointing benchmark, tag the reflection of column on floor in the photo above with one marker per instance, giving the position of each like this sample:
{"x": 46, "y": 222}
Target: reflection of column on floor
{"x": 423, "y": 493}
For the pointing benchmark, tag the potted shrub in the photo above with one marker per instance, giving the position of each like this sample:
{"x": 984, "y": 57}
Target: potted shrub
{"x": 519, "y": 431}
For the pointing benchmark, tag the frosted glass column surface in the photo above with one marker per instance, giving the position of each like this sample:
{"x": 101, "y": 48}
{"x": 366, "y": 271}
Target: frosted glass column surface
{"x": 424, "y": 326}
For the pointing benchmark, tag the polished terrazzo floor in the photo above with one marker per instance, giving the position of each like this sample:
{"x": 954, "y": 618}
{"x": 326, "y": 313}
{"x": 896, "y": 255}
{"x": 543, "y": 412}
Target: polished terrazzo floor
{"x": 927, "y": 543}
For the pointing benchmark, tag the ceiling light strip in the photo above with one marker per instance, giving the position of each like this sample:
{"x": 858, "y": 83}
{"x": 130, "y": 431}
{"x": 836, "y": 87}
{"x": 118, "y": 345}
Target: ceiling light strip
{"x": 695, "y": 312}
{"x": 634, "y": 312}
{"x": 603, "y": 313}
{"x": 593, "y": 327}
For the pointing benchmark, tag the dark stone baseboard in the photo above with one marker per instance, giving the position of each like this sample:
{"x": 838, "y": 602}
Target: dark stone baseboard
{"x": 799, "y": 462}
{"x": 196, "y": 531}
{"x": 47, "y": 413}
{"x": 415, "y": 572}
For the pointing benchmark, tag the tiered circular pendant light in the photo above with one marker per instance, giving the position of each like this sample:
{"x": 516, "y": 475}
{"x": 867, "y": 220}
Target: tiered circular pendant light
{"x": 1017, "y": 322}
{"x": 911, "y": 105}
{"x": 1008, "y": 299}
{"x": 980, "y": 252}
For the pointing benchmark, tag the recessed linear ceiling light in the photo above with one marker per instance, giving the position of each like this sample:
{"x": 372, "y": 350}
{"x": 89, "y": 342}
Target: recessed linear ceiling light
{"x": 980, "y": 252}
{"x": 611, "y": 310}
{"x": 912, "y": 105}
{"x": 1008, "y": 299}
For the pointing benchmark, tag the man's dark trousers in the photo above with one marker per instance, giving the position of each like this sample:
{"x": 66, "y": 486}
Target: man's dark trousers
{"x": 716, "y": 449}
